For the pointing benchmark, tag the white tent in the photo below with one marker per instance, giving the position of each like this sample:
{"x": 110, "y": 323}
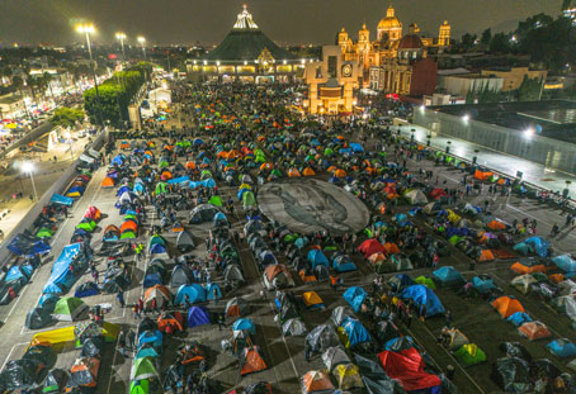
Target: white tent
{"x": 160, "y": 95}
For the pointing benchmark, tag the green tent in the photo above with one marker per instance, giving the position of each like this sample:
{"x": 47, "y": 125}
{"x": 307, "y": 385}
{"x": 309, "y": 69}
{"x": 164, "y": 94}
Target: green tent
{"x": 454, "y": 240}
{"x": 130, "y": 216}
{"x": 426, "y": 281}
{"x": 216, "y": 200}
{"x": 328, "y": 152}
{"x": 45, "y": 232}
{"x": 248, "y": 199}
{"x": 161, "y": 188}
{"x": 128, "y": 235}
{"x": 541, "y": 277}
{"x": 206, "y": 173}
{"x": 470, "y": 354}
{"x": 70, "y": 309}
{"x": 143, "y": 369}
{"x": 87, "y": 226}
{"x": 140, "y": 387}
{"x": 276, "y": 172}
{"x": 163, "y": 164}
{"x": 156, "y": 239}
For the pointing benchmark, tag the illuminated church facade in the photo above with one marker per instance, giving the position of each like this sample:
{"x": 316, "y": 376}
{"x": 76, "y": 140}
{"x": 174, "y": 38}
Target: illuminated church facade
{"x": 393, "y": 62}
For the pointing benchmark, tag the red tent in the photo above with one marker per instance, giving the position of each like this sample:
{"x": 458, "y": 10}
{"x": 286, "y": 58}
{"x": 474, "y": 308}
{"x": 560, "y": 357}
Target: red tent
{"x": 437, "y": 193}
{"x": 407, "y": 366}
{"x": 370, "y": 247}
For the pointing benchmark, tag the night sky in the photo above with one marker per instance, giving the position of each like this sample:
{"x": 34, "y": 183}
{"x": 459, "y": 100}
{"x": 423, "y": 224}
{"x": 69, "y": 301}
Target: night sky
{"x": 286, "y": 21}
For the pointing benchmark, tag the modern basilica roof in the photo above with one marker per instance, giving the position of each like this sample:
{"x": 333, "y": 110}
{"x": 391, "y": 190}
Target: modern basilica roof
{"x": 246, "y": 42}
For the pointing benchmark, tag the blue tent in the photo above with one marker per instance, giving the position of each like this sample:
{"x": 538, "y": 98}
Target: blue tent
{"x": 540, "y": 245}
{"x": 519, "y": 318}
{"x": 316, "y": 257}
{"x": 198, "y": 141}
{"x": 147, "y": 352}
{"x": 210, "y": 291}
{"x": 244, "y": 324}
{"x": 198, "y": 315}
{"x": 356, "y": 332}
{"x": 195, "y": 292}
{"x": 483, "y": 285}
{"x": 399, "y": 343}
{"x": 138, "y": 188}
{"x": 122, "y": 189}
{"x": 241, "y": 193}
{"x": 48, "y": 301}
{"x": 447, "y": 276}
{"x": 24, "y": 248}
{"x": 562, "y": 348}
{"x": 356, "y": 147}
{"x": 60, "y": 279}
{"x": 523, "y": 248}
{"x": 343, "y": 263}
{"x": 219, "y": 219}
{"x": 565, "y": 263}
{"x": 355, "y": 296}
{"x": 157, "y": 248}
{"x": 150, "y": 337}
{"x": 18, "y": 272}
{"x": 179, "y": 180}
{"x": 152, "y": 279}
{"x": 63, "y": 200}
{"x": 118, "y": 159}
{"x": 423, "y": 296}
{"x": 400, "y": 281}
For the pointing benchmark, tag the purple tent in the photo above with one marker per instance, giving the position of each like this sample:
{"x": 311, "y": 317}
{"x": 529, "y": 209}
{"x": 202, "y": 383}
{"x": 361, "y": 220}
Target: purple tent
{"x": 198, "y": 315}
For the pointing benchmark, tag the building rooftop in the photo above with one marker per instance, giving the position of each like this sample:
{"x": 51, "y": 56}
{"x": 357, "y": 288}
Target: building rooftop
{"x": 552, "y": 118}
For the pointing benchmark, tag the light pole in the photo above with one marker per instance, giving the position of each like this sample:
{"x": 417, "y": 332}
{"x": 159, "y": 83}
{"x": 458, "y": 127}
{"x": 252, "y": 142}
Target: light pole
{"x": 87, "y": 29}
{"x": 28, "y": 167}
{"x": 142, "y": 42}
{"x": 121, "y": 36}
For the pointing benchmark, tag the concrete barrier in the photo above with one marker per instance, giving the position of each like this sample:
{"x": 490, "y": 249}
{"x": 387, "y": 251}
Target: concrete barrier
{"x": 59, "y": 186}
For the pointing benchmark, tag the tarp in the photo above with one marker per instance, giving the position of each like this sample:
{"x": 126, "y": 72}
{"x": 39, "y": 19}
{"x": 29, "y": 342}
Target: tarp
{"x": 407, "y": 366}
{"x": 355, "y": 297}
{"x": 60, "y": 275}
{"x": 423, "y": 296}
{"x": 63, "y": 200}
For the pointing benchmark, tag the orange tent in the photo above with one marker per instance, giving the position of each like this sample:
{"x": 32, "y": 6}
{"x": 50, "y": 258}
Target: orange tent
{"x": 107, "y": 183}
{"x": 85, "y": 368}
{"x": 377, "y": 257}
{"x": 112, "y": 228}
{"x": 486, "y": 256}
{"x": 312, "y": 298}
{"x": 392, "y": 248}
{"x": 482, "y": 175}
{"x": 308, "y": 172}
{"x": 252, "y": 361}
{"x": 307, "y": 278}
{"x": 371, "y": 170}
{"x": 496, "y": 225}
{"x": 340, "y": 173}
{"x": 222, "y": 154}
{"x": 534, "y": 330}
{"x": 507, "y": 306}
{"x": 266, "y": 166}
{"x": 272, "y": 271}
{"x": 316, "y": 382}
{"x": 293, "y": 173}
{"x": 190, "y": 165}
{"x": 166, "y": 175}
{"x": 124, "y": 145}
{"x": 332, "y": 168}
{"x": 556, "y": 278}
{"x": 129, "y": 225}
{"x": 522, "y": 269}
{"x": 174, "y": 320}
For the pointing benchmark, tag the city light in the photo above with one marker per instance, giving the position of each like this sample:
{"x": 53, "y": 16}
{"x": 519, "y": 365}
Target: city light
{"x": 422, "y": 108}
{"x": 528, "y": 133}
{"x": 466, "y": 118}
{"x": 28, "y": 167}
{"x": 86, "y": 28}
{"x": 218, "y": 62}
{"x": 120, "y": 36}
{"x": 141, "y": 40}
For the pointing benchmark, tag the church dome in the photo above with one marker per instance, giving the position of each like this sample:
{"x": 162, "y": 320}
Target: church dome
{"x": 410, "y": 41}
{"x": 390, "y": 21}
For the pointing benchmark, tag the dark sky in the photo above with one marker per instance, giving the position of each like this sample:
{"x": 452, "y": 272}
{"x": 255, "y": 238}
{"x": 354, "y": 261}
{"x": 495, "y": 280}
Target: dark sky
{"x": 287, "y": 21}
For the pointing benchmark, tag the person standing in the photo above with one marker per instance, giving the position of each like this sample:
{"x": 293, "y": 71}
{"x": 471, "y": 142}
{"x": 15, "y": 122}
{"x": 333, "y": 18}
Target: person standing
{"x": 122, "y": 343}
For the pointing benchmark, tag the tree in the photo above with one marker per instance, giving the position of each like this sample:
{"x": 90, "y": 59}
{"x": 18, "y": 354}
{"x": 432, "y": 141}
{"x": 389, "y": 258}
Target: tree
{"x": 486, "y": 37}
{"x": 470, "y": 98}
{"x": 500, "y": 43}
{"x": 530, "y": 89}
{"x": 67, "y": 117}
{"x": 468, "y": 41}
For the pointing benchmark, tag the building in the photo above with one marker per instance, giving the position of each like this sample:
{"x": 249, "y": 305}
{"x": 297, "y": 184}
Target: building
{"x": 410, "y": 72}
{"x": 370, "y": 54}
{"x": 541, "y": 131}
{"x": 246, "y": 54}
{"x": 458, "y": 82}
{"x": 62, "y": 80}
{"x": 513, "y": 77}
{"x": 331, "y": 82}
{"x": 12, "y": 106}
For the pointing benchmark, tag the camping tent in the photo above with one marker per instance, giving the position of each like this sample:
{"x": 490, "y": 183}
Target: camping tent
{"x": 70, "y": 309}
{"x": 470, "y": 354}
{"x": 316, "y": 381}
{"x": 507, "y": 306}
{"x": 407, "y": 366}
{"x": 355, "y": 297}
{"x": 425, "y": 297}
{"x": 447, "y": 276}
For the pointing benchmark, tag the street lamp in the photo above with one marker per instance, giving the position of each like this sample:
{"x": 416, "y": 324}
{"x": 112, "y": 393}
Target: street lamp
{"x": 28, "y": 167}
{"x": 142, "y": 42}
{"x": 121, "y": 36}
{"x": 87, "y": 30}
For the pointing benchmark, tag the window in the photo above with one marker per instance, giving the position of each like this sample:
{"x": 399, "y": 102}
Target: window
{"x": 332, "y": 66}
